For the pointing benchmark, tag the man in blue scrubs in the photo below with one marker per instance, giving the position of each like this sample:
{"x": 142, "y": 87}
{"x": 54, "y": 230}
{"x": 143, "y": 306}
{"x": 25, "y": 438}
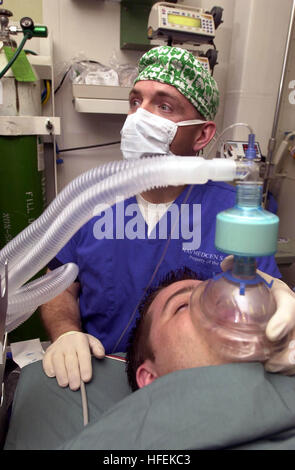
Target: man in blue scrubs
{"x": 129, "y": 247}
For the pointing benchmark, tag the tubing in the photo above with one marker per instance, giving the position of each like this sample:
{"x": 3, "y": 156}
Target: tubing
{"x": 35, "y": 246}
{"x": 14, "y": 250}
{"x": 232, "y": 126}
{"x": 153, "y": 172}
{"x": 29, "y": 297}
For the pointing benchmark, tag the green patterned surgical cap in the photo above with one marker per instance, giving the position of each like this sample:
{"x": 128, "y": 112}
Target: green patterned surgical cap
{"x": 181, "y": 69}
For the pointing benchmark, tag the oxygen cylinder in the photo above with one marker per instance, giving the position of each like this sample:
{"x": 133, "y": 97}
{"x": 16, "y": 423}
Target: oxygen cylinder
{"x": 22, "y": 185}
{"x": 22, "y": 176}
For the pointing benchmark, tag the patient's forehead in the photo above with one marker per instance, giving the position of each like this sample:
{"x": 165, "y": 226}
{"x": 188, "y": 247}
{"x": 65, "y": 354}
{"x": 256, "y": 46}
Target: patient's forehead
{"x": 158, "y": 303}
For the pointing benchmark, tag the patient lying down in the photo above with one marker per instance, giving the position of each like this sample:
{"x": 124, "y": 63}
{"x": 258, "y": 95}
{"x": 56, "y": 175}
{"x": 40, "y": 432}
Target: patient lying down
{"x": 225, "y": 405}
{"x": 169, "y": 334}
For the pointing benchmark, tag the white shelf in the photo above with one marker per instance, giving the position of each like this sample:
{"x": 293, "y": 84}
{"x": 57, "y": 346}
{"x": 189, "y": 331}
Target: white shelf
{"x": 101, "y": 99}
{"x": 94, "y": 105}
{"x": 29, "y": 125}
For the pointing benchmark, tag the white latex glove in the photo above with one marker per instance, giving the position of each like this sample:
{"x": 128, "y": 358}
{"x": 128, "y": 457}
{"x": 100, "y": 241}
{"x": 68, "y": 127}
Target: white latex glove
{"x": 280, "y": 325}
{"x": 69, "y": 358}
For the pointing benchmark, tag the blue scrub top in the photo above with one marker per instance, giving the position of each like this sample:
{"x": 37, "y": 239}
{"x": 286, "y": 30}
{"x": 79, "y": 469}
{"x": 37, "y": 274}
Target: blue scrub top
{"x": 114, "y": 272}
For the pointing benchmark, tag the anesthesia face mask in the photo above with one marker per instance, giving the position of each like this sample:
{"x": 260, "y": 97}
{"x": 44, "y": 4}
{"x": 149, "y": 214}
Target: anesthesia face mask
{"x": 146, "y": 133}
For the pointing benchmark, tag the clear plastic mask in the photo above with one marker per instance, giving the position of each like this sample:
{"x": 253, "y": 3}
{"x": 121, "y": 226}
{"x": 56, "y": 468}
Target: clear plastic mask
{"x": 235, "y": 324}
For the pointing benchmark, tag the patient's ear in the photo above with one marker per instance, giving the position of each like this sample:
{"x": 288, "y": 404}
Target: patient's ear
{"x": 146, "y": 373}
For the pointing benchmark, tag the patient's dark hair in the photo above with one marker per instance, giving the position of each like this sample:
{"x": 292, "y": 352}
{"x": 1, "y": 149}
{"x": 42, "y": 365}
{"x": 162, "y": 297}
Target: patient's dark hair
{"x": 139, "y": 348}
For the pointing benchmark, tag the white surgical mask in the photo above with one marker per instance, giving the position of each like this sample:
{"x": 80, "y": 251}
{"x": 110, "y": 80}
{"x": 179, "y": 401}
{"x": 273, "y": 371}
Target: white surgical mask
{"x": 147, "y": 133}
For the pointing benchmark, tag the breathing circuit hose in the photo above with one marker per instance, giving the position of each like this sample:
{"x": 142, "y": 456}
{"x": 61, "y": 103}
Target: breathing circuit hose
{"x": 15, "y": 249}
{"x": 28, "y": 297}
{"x": 38, "y": 244}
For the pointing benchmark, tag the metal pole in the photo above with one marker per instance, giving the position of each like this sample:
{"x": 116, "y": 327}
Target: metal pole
{"x": 272, "y": 140}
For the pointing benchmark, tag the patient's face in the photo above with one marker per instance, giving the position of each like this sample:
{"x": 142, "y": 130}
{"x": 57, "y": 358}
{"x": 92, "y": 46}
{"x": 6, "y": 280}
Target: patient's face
{"x": 176, "y": 339}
